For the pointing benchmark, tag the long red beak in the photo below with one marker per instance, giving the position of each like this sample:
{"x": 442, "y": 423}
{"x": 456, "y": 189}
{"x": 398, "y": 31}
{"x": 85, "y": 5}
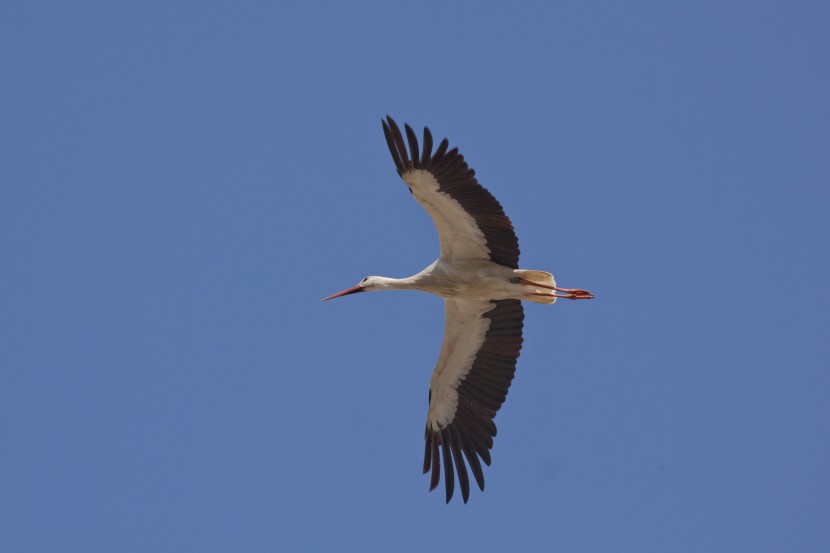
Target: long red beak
{"x": 352, "y": 290}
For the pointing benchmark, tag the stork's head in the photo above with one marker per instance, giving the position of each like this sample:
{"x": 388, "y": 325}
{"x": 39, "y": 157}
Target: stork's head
{"x": 366, "y": 285}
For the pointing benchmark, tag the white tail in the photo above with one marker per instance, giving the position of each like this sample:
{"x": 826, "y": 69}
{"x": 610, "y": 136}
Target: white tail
{"x": 537, "y": 294}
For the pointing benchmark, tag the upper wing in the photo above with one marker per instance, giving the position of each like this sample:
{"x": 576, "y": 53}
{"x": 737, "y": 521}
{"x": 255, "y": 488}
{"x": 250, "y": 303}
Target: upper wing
{"x": 470, "y": 221}
{"x": 482, "y": 341}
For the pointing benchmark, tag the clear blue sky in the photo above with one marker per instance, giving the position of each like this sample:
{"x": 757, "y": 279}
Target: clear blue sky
{"x": 181, "y": 183}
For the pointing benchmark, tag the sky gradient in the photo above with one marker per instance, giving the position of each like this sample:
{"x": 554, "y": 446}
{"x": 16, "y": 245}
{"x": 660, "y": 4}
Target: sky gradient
{"x": 181, "y": 183}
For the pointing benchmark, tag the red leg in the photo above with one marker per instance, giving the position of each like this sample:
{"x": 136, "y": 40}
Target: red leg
{"x": 571, "y": 293}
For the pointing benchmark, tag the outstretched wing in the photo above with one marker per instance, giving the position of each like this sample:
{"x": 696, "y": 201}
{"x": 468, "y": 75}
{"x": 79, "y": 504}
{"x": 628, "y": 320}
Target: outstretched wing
{"x": 470, "y": 221}
{"x": 482, "y": 341}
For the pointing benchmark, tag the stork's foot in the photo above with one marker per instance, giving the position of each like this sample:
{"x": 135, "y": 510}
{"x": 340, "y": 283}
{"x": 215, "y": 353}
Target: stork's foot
{"x": 576, "y": 293}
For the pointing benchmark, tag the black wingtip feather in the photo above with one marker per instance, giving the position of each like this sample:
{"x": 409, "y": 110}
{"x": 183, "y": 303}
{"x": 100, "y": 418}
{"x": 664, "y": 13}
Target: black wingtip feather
{"x": 398, "y": 137}
{"x": 427, "y": 453}
{"x": 414, "y": 149}
{"x": 460, "y": 468}
{"x": 449, "y": 476}
{"x": 426, "y": 156}
{"x": 466, "y": 436}
{"x": 393, "y": 149}
{"x": 436, "y": 463}
{"x": 442, "y": 149}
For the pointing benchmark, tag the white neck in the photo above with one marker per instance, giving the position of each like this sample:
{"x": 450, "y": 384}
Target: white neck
{"x": 429, "y": 280}
{"x": 386, "y": 283}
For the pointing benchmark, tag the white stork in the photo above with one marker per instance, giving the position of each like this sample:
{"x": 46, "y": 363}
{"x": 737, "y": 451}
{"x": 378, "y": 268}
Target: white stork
{"x": 478, "y": 275}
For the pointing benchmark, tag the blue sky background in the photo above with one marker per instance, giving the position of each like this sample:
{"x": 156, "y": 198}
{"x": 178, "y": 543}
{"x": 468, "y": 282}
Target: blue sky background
{"x": 180, "y": 183}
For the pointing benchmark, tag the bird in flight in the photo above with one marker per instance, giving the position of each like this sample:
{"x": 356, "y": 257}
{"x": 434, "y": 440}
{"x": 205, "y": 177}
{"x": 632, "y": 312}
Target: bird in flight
{"x": 477, "y": 273}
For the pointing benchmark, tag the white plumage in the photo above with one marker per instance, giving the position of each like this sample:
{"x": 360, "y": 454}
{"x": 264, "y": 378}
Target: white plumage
{"x": 477, "y": 273}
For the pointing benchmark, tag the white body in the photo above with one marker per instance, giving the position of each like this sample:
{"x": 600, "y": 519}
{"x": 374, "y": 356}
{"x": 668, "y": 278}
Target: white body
{"x": 477, "y": 275}
{"x": 471, "y": 280}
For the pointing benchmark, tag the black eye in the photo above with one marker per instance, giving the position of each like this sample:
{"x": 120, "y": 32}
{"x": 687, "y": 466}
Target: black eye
{"x": 364, "y": 280}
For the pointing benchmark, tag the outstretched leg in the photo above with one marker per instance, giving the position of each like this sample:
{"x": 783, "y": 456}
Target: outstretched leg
{"x": 568, "y": 293}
